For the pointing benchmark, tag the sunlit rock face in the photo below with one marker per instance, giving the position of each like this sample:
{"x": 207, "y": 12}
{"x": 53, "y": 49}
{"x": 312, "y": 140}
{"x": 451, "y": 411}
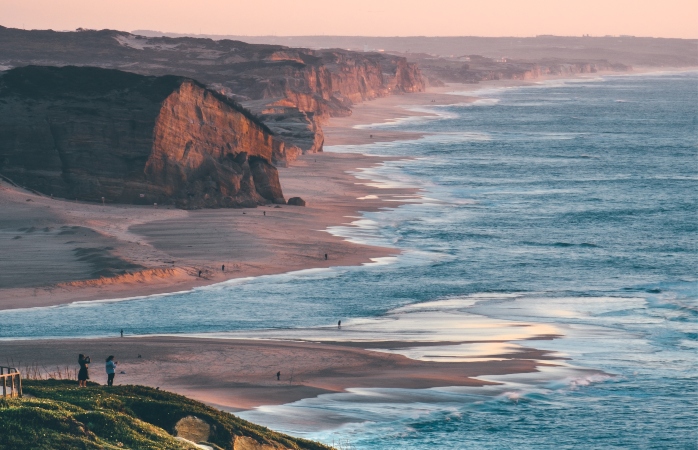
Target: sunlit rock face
{"x": 86, "y": 133}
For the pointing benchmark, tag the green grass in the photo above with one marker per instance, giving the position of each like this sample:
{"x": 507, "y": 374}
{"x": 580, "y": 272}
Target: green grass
{"x": 58, "y": 415}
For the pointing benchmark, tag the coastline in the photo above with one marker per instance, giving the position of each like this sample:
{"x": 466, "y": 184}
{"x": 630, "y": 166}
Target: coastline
{"x": 239, "y": 374}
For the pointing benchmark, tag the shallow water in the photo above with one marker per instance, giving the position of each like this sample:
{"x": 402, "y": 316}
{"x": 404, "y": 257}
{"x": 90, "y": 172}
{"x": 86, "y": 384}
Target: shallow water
{"x": 568, "y": 206}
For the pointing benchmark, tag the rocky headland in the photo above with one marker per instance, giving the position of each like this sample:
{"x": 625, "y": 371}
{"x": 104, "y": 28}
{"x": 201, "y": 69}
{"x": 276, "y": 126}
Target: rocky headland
{"x": 105, "y": 135}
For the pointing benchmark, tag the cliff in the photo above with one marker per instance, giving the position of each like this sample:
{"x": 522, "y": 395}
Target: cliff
{"x": 88, "y": 133}
{"x": 292, "y": 90}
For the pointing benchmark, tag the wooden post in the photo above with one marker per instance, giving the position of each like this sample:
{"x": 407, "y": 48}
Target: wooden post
{"x": 19, "y": 378}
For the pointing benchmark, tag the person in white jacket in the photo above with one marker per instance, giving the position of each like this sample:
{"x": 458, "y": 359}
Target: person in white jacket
{"x": 111, "y": 370}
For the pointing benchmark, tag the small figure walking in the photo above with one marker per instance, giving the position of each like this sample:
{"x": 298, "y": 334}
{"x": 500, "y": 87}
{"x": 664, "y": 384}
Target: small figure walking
{"x": 278, "y": 376}
{"x": 84, "y": 373}
{"x": 223, "y": 268}
{"x": 325, "y": 256}
{"x": 111, "y": 369}
{"x": 339, "y": 325}
{"x": 265, "y": 213}
{"x": 199, "y": 274}
{"x": 122, "y": 332}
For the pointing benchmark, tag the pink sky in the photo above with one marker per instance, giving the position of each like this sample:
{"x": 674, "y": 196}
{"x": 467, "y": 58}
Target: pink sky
{"x": 658, "y": 18}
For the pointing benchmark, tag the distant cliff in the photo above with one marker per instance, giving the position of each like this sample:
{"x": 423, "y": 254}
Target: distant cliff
{"x": 88, "y": 133}
{"x": 476, "y": 68}
{"x": 292, "y": 90}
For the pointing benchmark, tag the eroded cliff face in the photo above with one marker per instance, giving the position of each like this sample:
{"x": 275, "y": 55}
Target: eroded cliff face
{"x": 205, "y": 153}
{"x": 87, "y": 133}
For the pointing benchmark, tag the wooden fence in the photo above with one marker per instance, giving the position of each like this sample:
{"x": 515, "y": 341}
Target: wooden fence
{"x": 11, "y": 382}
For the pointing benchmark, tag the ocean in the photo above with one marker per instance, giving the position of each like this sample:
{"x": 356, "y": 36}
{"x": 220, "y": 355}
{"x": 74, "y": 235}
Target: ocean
{"x": 568, "y": 205}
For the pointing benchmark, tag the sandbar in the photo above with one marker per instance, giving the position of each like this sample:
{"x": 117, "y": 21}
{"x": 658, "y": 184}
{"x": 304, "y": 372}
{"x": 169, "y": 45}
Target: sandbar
{"x": 238, "y": 374}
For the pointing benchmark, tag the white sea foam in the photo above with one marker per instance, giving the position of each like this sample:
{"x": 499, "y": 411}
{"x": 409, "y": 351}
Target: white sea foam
{"x": 430, "y": 113}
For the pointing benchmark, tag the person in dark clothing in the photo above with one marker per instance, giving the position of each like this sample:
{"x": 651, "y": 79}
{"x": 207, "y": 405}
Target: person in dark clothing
{"x": 122, "y": 332}
{"x": 278, "y": 375}
{"x": 111, "y": 369}
{"x": 339, "y": 324}
{"x": 223, "y": 268}
{"x": 84, "y": 373}
{"x": 199, "y": 274}
{"x": 325, "y": 256}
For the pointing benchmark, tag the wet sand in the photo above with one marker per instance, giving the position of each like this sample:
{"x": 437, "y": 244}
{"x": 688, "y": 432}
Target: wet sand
{"x": 238, "y": 374}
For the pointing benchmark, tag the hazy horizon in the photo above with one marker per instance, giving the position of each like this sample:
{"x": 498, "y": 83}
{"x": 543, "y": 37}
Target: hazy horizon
{"x": 388, "y": 18}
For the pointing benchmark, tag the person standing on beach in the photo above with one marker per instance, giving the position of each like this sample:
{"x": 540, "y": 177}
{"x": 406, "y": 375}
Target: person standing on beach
{"x": 223, "y": 268}
{"x": 84, "y": 373}
{"x": 111, "y": 369}
{"x": 278, "y": 376}
{"x": 339, "y": 325}
{"x": 122, "y": 332}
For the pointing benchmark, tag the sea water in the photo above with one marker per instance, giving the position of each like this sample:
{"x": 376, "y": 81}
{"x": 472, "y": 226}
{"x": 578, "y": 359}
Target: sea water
{"x": 568, "y": 206}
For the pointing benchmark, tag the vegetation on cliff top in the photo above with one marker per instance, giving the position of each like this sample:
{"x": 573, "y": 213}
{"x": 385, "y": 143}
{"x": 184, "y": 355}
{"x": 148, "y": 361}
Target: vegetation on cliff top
{"x": 56, "y": 414}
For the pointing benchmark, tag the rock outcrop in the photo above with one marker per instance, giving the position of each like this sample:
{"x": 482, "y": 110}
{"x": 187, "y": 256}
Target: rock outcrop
{"x": 88, "y": 133}
{"x": 192, "y": 429}
{"x": 296, "y": 201}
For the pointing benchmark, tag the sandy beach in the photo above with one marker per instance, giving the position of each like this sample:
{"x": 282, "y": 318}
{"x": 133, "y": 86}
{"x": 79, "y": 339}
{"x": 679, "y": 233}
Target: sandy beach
{"x": 62, "y": 249}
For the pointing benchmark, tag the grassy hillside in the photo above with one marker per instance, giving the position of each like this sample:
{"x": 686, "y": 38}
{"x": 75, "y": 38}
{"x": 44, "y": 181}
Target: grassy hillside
{"x": 58, "y": 415}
